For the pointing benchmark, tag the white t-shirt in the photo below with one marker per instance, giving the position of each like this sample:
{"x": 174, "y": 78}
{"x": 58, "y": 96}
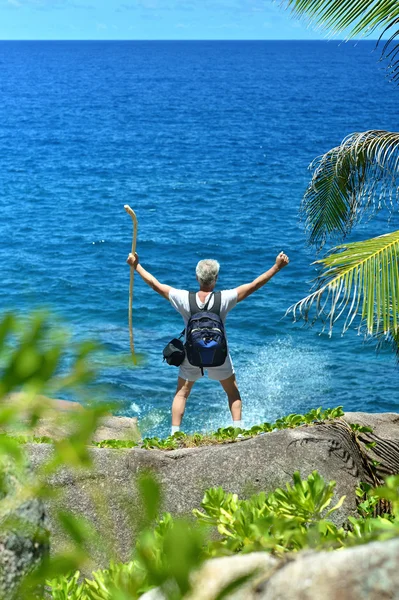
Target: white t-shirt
{"x": 179, "y": 299}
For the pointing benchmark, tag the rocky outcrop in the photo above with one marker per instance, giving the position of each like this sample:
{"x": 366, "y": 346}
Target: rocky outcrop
{"x": 106, "y": 494}
{"x": 54, "y": 426}
{"x": 368, "y": 572}
{"x": 23, "y": 530}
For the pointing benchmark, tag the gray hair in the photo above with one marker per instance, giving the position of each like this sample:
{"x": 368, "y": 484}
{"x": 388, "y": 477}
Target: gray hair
{"x": 207, "y": 271}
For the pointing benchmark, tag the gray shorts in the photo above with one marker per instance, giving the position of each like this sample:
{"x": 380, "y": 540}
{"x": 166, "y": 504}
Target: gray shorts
{"x": 191, "y": 373}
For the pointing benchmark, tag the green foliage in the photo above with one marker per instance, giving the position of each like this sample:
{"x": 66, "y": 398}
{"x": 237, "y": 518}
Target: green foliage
{"x": 357, "y": 428}
{"x": 282, "y": 521}
{"x": 169, "y": 443}
{"x": 222, "y": 435}
{"x": 359, "y": 281}
{"x": 357, "y": 176}
{"x": 367, "y": 501}
{"x": 67, "y": 588}
{"x": 366, "y": 527}
{"x": 115, "y": 444}
{"x": 232, "y": 434}
{"x": 150, "y": 494}
{"x": 33, "y": 351}
{"x": 164, "y": 556}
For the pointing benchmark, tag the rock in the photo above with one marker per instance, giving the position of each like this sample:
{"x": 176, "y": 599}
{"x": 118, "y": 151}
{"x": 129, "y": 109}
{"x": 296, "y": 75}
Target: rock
{"x": 246, "y": 467}
{"x": 382, "y": 444}
{"x": 52, "y": 425}
{"x": 384, "y": 425}
{"x": 216, "y": 574}
{"x": 107, "y": 495}
{"x": 368, "y": 572}
{"x": 23, "y": 532}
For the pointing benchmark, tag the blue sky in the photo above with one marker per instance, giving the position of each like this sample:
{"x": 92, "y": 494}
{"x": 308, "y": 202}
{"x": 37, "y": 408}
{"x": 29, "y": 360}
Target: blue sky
{"x": 149, "y": 20}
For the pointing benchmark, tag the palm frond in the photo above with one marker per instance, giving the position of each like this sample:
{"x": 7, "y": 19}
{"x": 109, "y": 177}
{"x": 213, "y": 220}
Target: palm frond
{"x": 360, "y": 17}
{"x": 360, "y": 174}
{"x": 389, "y": 340}
{"x": 359, "y": 281}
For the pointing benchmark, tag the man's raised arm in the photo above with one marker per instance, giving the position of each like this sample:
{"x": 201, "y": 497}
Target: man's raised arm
{"x": 243, "y": 291}
{"x": 160, "y": 288}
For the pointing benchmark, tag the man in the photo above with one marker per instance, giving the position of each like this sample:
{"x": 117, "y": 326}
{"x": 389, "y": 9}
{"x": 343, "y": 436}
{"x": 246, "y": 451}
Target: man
{"x": 207, "y": 272}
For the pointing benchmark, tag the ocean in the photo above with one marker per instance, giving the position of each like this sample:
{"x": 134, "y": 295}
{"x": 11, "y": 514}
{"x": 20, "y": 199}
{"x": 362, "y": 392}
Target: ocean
{"x": 209, "y": 142}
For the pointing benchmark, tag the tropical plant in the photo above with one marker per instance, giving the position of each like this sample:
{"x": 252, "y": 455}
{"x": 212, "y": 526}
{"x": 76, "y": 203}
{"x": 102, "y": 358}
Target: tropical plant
{"x": 282, "y": 521}
{"x": 33, "y": 353}
{"x": 358, "y": 281}
{"x": 355, "y": 18}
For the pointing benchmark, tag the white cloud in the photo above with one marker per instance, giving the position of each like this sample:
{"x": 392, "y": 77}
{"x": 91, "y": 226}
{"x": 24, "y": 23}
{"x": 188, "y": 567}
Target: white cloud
{"x": 225, "y": 6}
{"x": 43, "y": 4}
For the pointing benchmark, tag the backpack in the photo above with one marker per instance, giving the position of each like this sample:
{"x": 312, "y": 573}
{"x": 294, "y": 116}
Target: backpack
{"x": 206, "y": 344}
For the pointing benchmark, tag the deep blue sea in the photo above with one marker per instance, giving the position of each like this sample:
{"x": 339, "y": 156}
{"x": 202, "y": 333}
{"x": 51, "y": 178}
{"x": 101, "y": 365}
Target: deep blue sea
{"x": 209, "y": 142}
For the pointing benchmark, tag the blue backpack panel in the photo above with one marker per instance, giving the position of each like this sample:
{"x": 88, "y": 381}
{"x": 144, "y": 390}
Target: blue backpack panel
{"x": 206, "y": 344}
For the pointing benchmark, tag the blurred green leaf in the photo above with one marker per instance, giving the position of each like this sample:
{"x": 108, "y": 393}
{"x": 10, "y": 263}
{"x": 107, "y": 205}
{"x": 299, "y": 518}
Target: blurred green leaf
{"x": 150, "y": 493}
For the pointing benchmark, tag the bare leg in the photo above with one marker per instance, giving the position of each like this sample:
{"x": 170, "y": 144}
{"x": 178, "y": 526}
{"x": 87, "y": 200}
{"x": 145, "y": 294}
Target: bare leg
{"x": 179, "y": 402}
{"x": 230, "y": 387}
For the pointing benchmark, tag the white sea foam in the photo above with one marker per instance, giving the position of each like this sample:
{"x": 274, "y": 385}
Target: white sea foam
{"x": 281, "y": 378}
{"x": 153, "y": 419}
{"x": 135, "y": 409}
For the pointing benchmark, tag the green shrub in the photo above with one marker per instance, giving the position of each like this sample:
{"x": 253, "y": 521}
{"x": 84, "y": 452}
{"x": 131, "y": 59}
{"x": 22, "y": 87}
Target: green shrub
{"x": 232, "y": 434}
{"x": 284, "y": 520}
{"x": 33, "y": 352}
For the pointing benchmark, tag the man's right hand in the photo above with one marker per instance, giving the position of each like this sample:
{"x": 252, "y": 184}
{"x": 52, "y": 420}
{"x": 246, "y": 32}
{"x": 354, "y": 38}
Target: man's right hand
{"x": 133, "y": 260}
{"x": 282, "y": 260}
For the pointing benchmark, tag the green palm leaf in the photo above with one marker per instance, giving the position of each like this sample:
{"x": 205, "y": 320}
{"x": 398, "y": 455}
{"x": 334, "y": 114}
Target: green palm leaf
{"x": 360, "y": 174}
{"x": 389, "y": 340}
{"x": 358, "y": 280}
{"x": 360, "y": 17}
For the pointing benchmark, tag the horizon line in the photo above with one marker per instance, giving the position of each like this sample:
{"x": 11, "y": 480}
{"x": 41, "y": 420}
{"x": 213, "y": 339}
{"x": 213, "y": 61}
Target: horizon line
{"x": 191, "y": 40}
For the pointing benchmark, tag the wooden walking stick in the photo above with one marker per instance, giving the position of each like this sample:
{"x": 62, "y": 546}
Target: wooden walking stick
{"x": 134, "y": 241}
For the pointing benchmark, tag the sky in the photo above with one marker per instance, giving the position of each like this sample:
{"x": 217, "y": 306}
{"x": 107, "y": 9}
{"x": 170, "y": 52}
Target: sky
{"x": 150, "y": 20}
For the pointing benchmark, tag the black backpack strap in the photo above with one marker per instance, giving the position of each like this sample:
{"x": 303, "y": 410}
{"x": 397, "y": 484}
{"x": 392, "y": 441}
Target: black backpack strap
{"x": 217, "y": 303}
{"x": 193, "y": 303}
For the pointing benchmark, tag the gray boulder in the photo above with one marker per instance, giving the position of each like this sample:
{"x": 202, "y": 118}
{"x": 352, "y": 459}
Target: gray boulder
{"x": 368, "y": 572}
{"x": 56, "y": 423}
{"x": 216, "y": 574}
{"x": 23, "y": 531}
{"x": 384, "y": 425}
